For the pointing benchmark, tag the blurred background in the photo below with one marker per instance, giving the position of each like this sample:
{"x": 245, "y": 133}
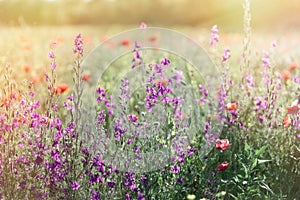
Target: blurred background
{"x": 266, "y": 15}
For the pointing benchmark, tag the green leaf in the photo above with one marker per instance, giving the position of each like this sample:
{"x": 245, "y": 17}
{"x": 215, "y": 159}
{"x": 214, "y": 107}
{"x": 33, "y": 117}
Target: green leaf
{"x": 254, "y": 164}
{"x": 247, "y": 147}
{"x": 221, "y": 194}
{"x": 263, "y": 161}
{"x": 260, "y": 151}
{"x": 246, "y": 170}
{"x": 265, "y": 186}
{"x": 234, "y": 197}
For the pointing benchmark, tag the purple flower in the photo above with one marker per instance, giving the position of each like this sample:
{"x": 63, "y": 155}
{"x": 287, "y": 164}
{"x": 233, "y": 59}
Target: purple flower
{"x": 78, "y": 45}
{"x": 180, "y": 181}
{"x": 165, "y": 62}
{"x": 75, "y": 186}
{"x": 266, "y": 59}
{"x": 249, "y": 81}
{"x": 111, "y": 184}
{"x": 144, "y": 179}
{"x": 38, "y": 160}
{"x": 203, "y": 90}
{"x": 100, "y": 91}
{"x": 119, "y": 129}
{"x": 175, "y": 169}
{"x": 51, "y": 55}
{"x": 226, "y": 55}
{"x": 53, "y": 65}
{"x": 95, "y": 195}
{"x": 47, "y": 77}
{"x": 129, "y": 141}
{"x": 140, "y": 196}
{"x": 132, "y": 118}
{"x": 137, "y": 54}
{"x": 214, "y": 37}
{"x": 191, "y": 151}
{"x": 297, "y": 80}
{"x": 136, "y": 44}
{"x": 127, "y": 197}
{"x": 178, "y": 76}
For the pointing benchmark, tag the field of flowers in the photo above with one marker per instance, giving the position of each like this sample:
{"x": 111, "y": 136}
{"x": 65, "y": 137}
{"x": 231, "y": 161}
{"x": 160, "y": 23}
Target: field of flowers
{"x": 248, "y": 147}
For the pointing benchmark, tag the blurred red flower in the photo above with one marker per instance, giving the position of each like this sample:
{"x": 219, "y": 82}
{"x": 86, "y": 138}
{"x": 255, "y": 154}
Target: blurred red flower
{"x": 231, "y": 106}
{"x": 36, "y": 79}
{"x": 125, "y": 43}
{"x": 61, "y": 88}
{"x": 152, "y": 38}
{"x": 26, "y": 68}
{"x": 285, "y": 75}
{"x": 86, "y": 77}
{"x": 294, "y": 108}
{"x": 222, "y": 144}
{"x": 287, "y": 121}
{"x": 161, "y": 82}
{"x": 223, "y": 166}
{"x": 293, "y": 66}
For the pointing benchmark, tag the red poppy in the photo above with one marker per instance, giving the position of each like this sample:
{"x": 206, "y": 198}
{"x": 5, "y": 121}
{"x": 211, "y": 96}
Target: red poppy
{"x": 287, "y": 121}
{"x": 61, "y": 88}
{"x": 86, "y": 77}
{"x": 293, "y": 66}
{"x": 26, "y": 68}
{"x": 125, "y": 43}
{"x": 223, "y": 166}
{"x": 286, "y": 75}
{"x": 231, "y": 106}
{"x": 222, "y": 144}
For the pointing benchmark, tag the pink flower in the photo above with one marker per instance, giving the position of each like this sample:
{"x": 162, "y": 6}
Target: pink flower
{"x": 293, "y": 66}
{"x": 222, "y": 144}
{"x": 143, "y": 25}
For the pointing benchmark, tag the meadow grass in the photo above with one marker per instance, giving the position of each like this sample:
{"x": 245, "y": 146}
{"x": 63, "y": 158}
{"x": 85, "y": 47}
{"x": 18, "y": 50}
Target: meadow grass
{"x": 44, "y": 158}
